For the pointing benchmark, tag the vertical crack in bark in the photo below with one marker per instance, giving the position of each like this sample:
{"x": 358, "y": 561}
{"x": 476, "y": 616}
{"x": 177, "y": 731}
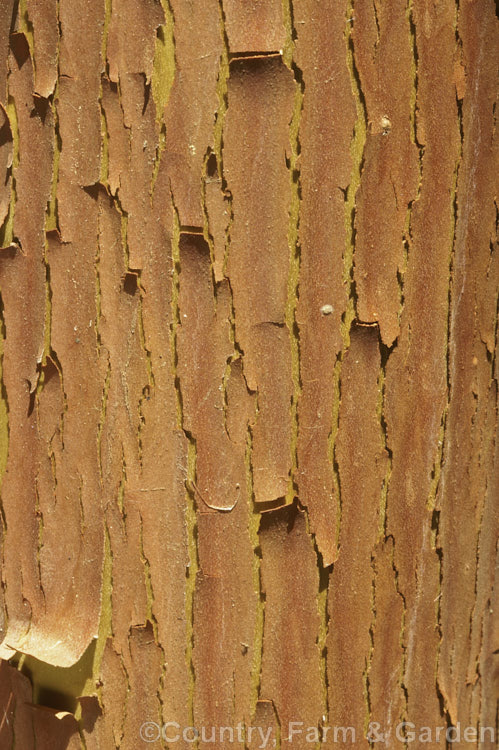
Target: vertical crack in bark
{"x": 190, "y": 481}
{"x": 104, "y": 167}
{"x": 94, "y": 683}
{"x": 385, "y": 353}
{"x": 407, "y": 237}
{"x": 163, "y": 76}
{"x": 175, "y": 311}
{"x": 222, "y": 94}
{"x": 193, "y": 568}
{"x": 4, "y": 430}
{"x": 103, "y": 412}
{"x": 403, "y": 686}
{"x": 376, "y": 21}
{"x": 51, "y": 218}
{"x": 335, "y": 423}
{"x": 127, "y": 695}
{"x": 217, "y": 154}
{"x": 293, "y": 238}
{"x": 147, "y": 389}
{"x": 414, "y": 95}
{"x": 150, "y": 616}
{"x": 357, "y": 155}
{"x": 121, "y": 492}
{"x": 39, "y": 515}
{"x": 254, "y": 527}
{"x": 369, "y": 658}
{"x": 107, "y": 380}
{"x": 108, "y": 7}
{"x": 164, "y": 65}
{"x": 435, "y": 527}
{"x": 434, "y": 498}
{"x": 322, "y": 606}
{"x": 214, "y": 155}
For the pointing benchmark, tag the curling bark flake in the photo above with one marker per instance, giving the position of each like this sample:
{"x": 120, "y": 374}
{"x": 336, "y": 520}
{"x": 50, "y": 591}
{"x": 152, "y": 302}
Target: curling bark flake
{"x": 249, "y": 291}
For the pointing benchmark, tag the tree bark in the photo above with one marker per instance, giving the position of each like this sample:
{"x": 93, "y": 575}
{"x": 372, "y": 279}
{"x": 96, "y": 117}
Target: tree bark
{"x": 248, "y": 423}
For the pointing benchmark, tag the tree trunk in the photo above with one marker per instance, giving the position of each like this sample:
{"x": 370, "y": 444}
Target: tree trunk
{"x": 248, "y": 425}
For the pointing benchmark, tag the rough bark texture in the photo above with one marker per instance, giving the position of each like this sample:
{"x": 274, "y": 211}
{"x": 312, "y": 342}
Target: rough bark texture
{"x": 249, "y": 286}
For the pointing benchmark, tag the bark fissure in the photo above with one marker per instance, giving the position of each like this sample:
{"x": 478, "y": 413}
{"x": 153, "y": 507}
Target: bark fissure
{"x": 248, "y": 381}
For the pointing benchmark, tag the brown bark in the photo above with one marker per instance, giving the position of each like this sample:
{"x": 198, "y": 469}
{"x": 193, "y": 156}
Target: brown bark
{"x": 249, "y": 287}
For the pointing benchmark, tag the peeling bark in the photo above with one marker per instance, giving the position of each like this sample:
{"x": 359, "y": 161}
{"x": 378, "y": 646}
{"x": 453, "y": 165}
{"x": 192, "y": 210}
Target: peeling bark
{"x": 249, "y": 292}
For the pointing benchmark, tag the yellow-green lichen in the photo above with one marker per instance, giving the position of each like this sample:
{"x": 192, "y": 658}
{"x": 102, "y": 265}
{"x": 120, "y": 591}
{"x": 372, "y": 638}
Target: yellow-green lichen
{"x": 26, "y": 27}
{"x": 163, "y": 73}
